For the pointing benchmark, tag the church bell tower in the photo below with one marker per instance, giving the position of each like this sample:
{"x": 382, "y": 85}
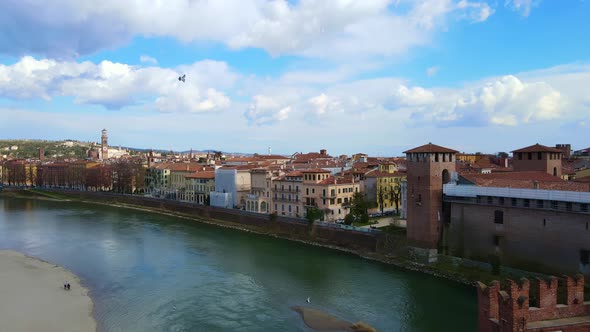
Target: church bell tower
{"x": 104, "y": 138}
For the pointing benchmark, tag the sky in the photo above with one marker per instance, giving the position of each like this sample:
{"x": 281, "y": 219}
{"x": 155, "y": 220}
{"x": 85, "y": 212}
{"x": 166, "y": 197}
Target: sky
{"x": 370, "y": 76}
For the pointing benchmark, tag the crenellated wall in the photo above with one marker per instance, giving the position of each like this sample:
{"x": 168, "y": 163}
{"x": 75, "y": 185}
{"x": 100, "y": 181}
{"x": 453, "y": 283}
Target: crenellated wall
{"x": 510, "y": 309}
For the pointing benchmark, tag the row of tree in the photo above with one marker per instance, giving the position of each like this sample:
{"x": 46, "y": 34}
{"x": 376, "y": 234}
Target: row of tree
{"x": 122, "y": 176}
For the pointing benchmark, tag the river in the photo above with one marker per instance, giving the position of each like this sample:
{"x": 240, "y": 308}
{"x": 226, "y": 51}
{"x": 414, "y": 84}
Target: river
{"x": 151, "y": 272}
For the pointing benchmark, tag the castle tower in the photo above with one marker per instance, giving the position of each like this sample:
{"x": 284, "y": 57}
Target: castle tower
{"x": 104, "y": 145}
{"x": 538, "y": 158}
{"x": 41, "y": 154}
{"x": 429, "y": 167}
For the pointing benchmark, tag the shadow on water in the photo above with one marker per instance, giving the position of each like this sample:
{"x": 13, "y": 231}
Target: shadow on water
{"x": 151, "y": 272}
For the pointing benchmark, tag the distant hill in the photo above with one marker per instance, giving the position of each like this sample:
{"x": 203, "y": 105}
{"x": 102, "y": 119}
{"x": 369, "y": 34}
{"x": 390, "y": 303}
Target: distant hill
{"x": 29, "y": 148}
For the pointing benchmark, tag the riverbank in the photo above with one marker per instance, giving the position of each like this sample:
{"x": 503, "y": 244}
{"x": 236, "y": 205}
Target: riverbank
{"x": 447, "y": 268}
{"x": 33, "y": 297}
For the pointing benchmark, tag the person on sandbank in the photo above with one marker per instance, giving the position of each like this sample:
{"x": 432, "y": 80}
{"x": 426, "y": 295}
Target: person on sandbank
{"x": 68, "y": 285}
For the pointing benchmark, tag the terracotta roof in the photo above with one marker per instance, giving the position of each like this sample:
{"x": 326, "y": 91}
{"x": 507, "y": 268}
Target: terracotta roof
{"x": 294, "y": 173}
{"x": 337, "y": 181}
{"x": 379, "y": 174}
{"x": 202, "y": 175}
{"x": 315, "y": 170}
{"x": 538, "y": 148}
{"x": 524, "y": 180}
{"x": 429, "y": 148}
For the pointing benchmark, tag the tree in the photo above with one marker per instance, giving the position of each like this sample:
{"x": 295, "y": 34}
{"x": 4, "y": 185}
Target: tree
{"x": 381, "y": 199}
{"x": 395, "y": 196}
{"x": 358, "y": 209}
{"x": 313, "y": 213}
{"x": 502, "y": 155}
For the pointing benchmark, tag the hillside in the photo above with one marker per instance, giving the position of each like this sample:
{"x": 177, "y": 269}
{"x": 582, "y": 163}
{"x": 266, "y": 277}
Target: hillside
{"x": 29, "y": 148}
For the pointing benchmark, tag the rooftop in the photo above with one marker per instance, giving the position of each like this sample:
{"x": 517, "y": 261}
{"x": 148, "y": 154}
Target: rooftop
{"x": 538, "y": 148}
{"x": 430, "y": 148}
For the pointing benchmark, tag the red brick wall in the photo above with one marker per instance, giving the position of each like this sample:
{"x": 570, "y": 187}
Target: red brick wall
{"x": 425, "y": 180}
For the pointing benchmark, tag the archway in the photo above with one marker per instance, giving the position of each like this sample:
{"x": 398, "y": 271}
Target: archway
{"x": 263, "y": 206}
{"x": 446, "y": 177}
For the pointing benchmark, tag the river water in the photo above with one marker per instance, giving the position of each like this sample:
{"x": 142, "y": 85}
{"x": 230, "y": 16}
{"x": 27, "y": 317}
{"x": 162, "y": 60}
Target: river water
{"x": 150, "y": 272}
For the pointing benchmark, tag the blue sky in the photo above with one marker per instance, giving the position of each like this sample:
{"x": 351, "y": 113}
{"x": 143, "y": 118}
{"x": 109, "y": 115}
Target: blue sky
{"x": 349, "y": 76}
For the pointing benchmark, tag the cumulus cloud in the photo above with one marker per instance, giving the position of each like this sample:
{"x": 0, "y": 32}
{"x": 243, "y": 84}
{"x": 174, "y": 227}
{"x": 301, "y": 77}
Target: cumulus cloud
{"x": 522, "y": 6}
{"x": 116, "y": 85}
{"x": 506, "y": 101}
{"x": 266, "y": 110}
{"x": 69, "y": 28}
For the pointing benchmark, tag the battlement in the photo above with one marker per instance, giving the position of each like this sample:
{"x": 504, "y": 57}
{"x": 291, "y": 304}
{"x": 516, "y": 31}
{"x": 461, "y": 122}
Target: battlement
{"x": 526, "y": 301}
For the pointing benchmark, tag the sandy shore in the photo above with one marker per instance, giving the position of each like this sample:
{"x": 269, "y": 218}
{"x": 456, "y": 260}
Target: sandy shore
{"x": 32, "y": 297}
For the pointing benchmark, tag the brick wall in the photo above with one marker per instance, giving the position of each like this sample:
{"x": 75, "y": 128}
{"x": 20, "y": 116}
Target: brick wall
{"x": 511, "y": 309}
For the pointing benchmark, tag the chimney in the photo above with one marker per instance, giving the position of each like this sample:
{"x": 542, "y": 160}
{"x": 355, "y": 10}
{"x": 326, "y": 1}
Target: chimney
{"x": 323, "y": 152}
{"x": 536, "y": 184}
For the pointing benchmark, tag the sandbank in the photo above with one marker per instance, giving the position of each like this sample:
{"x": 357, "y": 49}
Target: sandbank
{"x": 32, "y": 297}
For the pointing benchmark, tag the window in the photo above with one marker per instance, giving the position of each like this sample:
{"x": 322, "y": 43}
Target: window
{"x": 282, "y": 207}
{"x": 497, "y": 240}
{"x": 436, "y": 157}
{"x": 519, "y": 155}
{"x": 540, "y": 204}
{"x": 490, "y": 200}
{"x": 513, "y": 201}
{"x": 450, "y": 157}
{"x": 324, "y": 201}
{"x": 499, "y": 217}
{"x": 324, "y": 193}
{"x": 307, "y": 191}
{"x": 585, "y": 257}
{"x": 313, "y": 190}
{"x": 554, "y": 205}
{"x": 444, "y": 157}
{"x": 501, "y": 200}
{"x": 539, "y": 155}
{"x": 526, "y": 202}
{"x": 530, "y": 156}
{"x": 276, "y": 207}
{"x": 339, "y": 201}
{"x": 568, "y": 206}
{"x": 289, "y": 208}
{"x": 584, "y": 207}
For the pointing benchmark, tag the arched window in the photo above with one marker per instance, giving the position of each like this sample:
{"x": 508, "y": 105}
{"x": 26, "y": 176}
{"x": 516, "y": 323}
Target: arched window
{"x": 554, "y": 171}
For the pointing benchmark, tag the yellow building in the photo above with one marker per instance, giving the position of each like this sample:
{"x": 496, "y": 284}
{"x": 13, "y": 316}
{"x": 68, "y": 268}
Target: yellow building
{"x": 384, "y": 189}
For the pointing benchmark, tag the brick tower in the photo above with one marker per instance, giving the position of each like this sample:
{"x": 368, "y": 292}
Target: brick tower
{"x": 429, "y": 166}
{"x": 104, "y": 141}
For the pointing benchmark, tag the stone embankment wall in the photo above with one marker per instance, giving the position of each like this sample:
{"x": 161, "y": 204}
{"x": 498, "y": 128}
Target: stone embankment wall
{"x": 291, "y": 228}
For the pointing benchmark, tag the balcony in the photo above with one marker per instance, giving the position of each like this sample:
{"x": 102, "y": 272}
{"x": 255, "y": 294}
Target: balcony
{"x": 287, "y": 200}
{"x": 287, "y": 190}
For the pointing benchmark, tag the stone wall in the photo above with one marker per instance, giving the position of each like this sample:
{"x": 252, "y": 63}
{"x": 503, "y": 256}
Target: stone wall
{"x": 291, "y": 228}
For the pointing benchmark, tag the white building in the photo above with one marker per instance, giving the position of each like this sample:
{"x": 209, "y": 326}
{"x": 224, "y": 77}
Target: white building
{"x": 232, "y": 184}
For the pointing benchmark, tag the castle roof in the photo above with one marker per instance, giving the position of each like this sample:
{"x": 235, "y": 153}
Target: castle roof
{"x": 524, "y": 180}
{"x": 430, "y": 148}
{"x": 538, "y": 148}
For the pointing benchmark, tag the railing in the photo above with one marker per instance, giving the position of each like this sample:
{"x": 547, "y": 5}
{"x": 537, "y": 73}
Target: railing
{"x": 279, "y": 199}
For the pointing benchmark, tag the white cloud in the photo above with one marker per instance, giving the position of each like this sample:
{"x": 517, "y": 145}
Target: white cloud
{"x": 266, "y": 110}
{"x": 148, "y": 60}
{"x": 522, "y": 6}
{"x": 431, "y": 71}
{"x": 116, "y": 85}
{"x": 503, "y": 101}
{"x": 327, "y": 29}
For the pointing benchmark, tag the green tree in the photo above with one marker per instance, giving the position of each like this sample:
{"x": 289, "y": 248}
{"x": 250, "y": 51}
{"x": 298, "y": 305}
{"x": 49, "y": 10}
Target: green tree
{"x": 313, "y": 213}
{"x": 358, "y": 209}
